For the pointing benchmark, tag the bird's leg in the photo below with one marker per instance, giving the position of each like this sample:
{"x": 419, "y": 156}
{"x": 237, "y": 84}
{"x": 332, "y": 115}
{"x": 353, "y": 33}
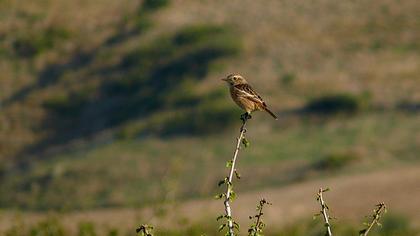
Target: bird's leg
{"x": 243, "y": 117}
{"x": 246, "y": 116}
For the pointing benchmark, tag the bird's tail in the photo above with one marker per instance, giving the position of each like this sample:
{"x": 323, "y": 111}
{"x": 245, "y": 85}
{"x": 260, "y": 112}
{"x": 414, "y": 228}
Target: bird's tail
{"x": 270, "y": 112}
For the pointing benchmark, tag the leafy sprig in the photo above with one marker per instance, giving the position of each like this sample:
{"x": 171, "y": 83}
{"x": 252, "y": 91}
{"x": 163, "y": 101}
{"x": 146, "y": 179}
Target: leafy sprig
{"x": 256, "y": 229}
{"x": 144, "y": 230}
{"x": 377, "y": 214}
{"x": 324, "y": 211}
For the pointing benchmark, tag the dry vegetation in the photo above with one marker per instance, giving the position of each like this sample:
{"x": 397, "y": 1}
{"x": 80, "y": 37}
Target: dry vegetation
{"x": 77, "y": 121}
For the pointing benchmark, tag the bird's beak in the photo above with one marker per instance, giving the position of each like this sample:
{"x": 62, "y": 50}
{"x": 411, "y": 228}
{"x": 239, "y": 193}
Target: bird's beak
{"x": 224, "y": 79}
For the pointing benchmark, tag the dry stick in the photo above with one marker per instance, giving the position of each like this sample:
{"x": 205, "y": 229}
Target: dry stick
{"x": 375, "y": 218}
{"x": 228, "y": 210}
{"x": 324, "y": 211}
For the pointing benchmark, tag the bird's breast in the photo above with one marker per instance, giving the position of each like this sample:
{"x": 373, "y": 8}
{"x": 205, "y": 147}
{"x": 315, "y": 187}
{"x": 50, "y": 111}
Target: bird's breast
{"x": 243, "y": 102}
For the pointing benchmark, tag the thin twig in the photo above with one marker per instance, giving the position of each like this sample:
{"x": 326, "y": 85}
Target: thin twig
{"x": 257, "y": 223}
{"x": 228, "y": 209}
{"x": 257, "y": 228}
{"x": 380, "y": 209}
{"x": 145, "y": 230}
{"x": 324, "y": 211}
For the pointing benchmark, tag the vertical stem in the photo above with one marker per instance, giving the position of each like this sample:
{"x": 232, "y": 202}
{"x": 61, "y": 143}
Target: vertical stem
{"x": 228, "y": 209}
{"x": 376, "y": 217}
{"x": 324, "y": 212}
{"x": 257, "y": 224}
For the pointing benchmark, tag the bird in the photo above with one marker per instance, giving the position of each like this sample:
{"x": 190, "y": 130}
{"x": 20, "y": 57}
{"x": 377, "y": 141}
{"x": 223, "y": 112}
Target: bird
{"x": 245, "y": 96}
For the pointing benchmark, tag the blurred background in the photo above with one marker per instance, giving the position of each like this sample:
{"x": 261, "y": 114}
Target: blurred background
{"x": 112, "y": 114}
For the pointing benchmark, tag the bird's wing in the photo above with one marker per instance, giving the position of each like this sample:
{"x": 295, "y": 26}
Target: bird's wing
{"x": 246, "y": 91}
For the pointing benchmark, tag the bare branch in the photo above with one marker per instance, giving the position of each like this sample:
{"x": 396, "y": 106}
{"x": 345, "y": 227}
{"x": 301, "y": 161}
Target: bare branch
{"x": 324, "y": 211}
{"x": 378, "y": 212}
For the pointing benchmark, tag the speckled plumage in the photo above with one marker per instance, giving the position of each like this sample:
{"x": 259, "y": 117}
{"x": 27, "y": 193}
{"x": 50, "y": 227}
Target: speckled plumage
{"x": 245, "y": 96}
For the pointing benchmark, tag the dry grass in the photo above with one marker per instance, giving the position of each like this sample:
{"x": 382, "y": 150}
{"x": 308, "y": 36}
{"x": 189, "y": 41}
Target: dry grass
{"x": 324, "y": 46}
{"x": 328, "y": 45}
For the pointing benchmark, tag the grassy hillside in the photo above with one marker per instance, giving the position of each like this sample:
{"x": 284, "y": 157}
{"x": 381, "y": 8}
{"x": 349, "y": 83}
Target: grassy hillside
{"x": 123, "y": 173}
{"x": 290, "y": 214}
{"x": 102, "y": 86}
{"x": 120, "y": 103}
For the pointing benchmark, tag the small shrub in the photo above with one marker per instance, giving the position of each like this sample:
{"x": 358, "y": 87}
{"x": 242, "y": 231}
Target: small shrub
{"x": 409, "y": 106}
{"x": 288, "y": 78}
{"x": 87, "y": 229}
{"x": 336, "y": 161}
{"x": 338, "y": 103}
{"x": 152, "y": 5}
{"x": 48, "y": 227}
{"x": 24, "y": 47}
{"x": 197, "y": 33}
{"x": 200, "y": 121}
{"x": 33, "y": 43}
{"x": 396, "y": 225}
{"x": 66, "y": 105}
{"x": 142, "y": 23}
{"x": 113, "y": 232}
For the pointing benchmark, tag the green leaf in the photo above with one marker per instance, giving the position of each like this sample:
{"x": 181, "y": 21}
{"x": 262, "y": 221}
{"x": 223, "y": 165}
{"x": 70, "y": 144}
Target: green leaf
{"x": 219, "y": 196}
{"x": 221, "y": 227}
{"x": 232, "y": 196}
{"x": 229, "y": 164}
{"x": 245, "y": 142}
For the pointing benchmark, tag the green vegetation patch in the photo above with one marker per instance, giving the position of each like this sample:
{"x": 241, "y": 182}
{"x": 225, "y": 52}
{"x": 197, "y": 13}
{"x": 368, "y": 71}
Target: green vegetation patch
{"x": 66, "y": 104}
{"x": 336, "y": 161}
{"x": 37, "y": 41}
{"x": 337, "y": 103}
{"x": 208, "y": 117}
{"x": 391, "y": 225}
{"x": 152, "y": 5}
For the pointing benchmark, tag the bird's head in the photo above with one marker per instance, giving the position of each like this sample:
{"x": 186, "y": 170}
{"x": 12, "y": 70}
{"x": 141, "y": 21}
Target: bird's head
{"x": 234, "y": 79}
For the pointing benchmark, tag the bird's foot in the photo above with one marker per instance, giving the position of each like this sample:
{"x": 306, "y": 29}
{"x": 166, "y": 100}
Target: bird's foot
{"x": 246, "y": 116}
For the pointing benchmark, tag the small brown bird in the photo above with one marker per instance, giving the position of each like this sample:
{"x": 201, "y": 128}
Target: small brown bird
{"x": 246, "y": 98}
